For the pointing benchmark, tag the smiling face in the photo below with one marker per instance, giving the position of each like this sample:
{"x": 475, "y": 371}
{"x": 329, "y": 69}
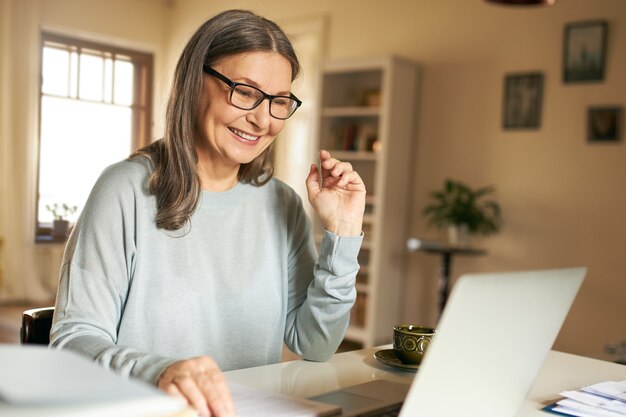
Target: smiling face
{"x": 228, "y": 136}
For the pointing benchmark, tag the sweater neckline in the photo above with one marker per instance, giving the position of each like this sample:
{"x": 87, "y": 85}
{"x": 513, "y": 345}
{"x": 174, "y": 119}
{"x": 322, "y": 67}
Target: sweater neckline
{"x": 210, "y": 198}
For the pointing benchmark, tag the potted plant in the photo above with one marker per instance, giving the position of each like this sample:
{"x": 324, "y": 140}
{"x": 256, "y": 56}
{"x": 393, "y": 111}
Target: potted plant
{"x": 60, "y": 226}
{"x": 463, "y": 211}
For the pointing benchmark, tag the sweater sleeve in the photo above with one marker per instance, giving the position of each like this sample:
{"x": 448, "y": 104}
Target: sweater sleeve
{"x": 321, "y": 289}
{"x": 95, "y": 277}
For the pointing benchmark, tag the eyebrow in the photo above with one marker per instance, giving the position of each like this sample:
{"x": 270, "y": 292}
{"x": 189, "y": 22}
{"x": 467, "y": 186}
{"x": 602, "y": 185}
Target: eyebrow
{"x": 255, "y": 84}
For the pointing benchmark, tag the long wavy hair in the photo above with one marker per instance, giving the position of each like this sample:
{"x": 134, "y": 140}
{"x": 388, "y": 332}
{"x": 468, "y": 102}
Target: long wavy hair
{"x": 174, "y": 179}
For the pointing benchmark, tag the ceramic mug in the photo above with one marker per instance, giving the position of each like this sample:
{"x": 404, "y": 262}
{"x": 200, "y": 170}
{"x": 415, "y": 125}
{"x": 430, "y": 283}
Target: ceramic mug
{"x": 410, "y": 342}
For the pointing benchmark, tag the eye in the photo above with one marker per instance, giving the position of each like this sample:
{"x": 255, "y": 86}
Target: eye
{"x": 244, "y": 92}
{"x": 281, "y": 101}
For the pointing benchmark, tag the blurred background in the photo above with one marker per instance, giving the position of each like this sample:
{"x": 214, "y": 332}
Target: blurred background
{"x": 561, "y": 194}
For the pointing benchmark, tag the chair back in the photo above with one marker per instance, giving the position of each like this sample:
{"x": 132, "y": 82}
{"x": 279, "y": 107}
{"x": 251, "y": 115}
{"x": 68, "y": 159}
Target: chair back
{"x": 36, "y": 324}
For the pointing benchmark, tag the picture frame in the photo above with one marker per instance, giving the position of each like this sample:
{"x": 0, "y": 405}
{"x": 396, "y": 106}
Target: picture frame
{"x": 523, "y": 94}
{"x": 584, "y": 51}
{"x": 604, "y": 124}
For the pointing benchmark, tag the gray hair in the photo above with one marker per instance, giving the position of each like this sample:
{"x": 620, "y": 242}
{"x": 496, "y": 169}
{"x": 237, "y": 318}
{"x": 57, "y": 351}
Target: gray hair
{"x": 174, "y": 179}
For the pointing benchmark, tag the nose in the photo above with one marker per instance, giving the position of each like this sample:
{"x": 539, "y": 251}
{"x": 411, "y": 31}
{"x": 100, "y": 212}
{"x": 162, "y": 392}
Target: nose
{"x": 260, "y": 115}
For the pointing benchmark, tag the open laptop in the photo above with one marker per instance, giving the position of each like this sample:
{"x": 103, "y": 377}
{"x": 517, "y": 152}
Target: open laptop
{"x": 491, "y": 341}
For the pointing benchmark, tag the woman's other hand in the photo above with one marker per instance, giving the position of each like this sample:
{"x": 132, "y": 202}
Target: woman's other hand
{"x": 339, "y": 197}
{"x": 201, "y": 382}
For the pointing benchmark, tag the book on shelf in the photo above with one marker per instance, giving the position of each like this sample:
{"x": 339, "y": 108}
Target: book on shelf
{"x": 357, "y": 314}
{"x": 361, "y": 276}
{"x": 368, "y": 229}
{"x": 353, "y": 136}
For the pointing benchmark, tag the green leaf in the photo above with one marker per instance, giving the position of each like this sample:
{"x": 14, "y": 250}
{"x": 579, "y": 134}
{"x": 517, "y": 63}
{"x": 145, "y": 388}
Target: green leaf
{"x": 458, "y": 204}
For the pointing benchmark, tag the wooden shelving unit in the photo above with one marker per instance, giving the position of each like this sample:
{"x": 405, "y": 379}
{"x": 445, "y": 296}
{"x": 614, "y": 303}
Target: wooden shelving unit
{"x": 367, "y": 117}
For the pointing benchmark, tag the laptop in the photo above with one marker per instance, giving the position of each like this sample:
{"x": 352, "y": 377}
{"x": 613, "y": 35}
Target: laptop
{"x": 42, "y": 382}
{"x": 492, "y": 339}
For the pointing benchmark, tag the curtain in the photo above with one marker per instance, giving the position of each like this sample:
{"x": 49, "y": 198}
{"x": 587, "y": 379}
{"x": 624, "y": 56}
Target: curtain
{"x": 19, "y": 114}
{"x": 296, "y": 147}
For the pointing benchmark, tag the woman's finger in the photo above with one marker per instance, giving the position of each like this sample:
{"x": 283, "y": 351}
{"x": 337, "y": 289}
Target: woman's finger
{"x": 173, "y": 390}
{"x": 351, "y": 178}
{"x": 217, "y": 394}
{"x": 341, "y": 168}
{"x": 194, "y": 395}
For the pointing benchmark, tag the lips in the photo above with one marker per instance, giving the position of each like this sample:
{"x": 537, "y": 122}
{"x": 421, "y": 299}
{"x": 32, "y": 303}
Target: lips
{"x": 244, "y": 135}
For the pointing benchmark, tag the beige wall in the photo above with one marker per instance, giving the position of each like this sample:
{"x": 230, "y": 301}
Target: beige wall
{"x": 563, "y": 200}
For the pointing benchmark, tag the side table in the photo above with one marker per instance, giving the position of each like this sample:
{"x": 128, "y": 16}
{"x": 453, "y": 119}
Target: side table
{"x": 446, "y": 251}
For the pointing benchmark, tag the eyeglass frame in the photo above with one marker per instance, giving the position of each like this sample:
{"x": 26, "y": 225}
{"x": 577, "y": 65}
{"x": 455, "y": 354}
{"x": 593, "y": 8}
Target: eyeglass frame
{"x": 232, "y": 84}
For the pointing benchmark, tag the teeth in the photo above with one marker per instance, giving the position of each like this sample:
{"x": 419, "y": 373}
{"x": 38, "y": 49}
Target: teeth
{"x": 244, "y": 135}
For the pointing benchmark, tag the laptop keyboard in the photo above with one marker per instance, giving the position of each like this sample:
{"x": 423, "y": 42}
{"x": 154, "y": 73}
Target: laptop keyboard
{"x": 393, "y": 411}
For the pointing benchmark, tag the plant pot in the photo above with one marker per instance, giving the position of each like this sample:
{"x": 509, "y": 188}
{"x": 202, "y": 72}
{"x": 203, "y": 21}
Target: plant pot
{"x": 458, "y": 235}
{"x": 60, "y": 229}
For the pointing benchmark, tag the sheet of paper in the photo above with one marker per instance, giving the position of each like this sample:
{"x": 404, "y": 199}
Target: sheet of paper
{"x": 252, "y": 402}
{"x": 604, "y": 399}
{"x": 588, "y": 410}
{"x": 610, "y": 389}
{"x": 596, "y": 401}
{"x": 573, "y": 412}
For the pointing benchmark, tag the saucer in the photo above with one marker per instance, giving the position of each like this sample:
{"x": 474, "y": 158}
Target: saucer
{"x": 387, "y": 357}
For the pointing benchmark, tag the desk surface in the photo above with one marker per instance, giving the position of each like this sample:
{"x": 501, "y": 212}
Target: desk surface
{"x": 305, "y": 379}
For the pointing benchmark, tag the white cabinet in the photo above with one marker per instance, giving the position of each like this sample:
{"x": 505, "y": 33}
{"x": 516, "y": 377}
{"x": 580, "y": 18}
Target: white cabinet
{"x": 368, "y": 117}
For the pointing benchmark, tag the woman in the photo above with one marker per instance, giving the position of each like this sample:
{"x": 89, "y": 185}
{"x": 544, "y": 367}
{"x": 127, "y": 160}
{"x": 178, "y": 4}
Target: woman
{"x": 189, "y": 258}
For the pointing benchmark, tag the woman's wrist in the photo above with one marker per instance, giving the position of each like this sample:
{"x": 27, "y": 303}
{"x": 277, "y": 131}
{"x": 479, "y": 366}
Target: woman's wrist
{"x": 344, "y": 229}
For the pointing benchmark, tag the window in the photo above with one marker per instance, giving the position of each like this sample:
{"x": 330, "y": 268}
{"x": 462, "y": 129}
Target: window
{"x": 94, "y": 110}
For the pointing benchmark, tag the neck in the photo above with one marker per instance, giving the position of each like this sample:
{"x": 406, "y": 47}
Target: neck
{"x": 216, "y": 177}
{"x": 217, "y": 186}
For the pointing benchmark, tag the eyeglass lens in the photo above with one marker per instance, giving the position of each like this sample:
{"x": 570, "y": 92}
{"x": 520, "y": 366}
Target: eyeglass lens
{"x": 247, "y": 97}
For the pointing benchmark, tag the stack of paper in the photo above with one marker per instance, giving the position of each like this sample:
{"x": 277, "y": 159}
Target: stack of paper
{"x": 605, "y": 399}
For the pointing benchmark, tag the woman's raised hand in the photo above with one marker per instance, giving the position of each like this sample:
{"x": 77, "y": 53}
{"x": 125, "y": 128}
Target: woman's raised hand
{"x": 338, "y": 197}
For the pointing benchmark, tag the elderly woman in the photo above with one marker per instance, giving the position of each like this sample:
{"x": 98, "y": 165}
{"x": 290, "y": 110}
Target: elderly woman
{"x": 189, "y": 258}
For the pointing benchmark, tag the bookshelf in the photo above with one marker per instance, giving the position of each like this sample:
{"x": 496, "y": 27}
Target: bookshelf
{"x": 367, "y": 115}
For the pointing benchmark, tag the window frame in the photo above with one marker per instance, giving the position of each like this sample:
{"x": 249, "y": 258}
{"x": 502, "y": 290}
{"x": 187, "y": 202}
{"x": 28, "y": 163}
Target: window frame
{"x": 141, "y": 107}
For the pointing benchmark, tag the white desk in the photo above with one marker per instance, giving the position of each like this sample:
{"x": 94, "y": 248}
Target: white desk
{"x": 305, "y": 379}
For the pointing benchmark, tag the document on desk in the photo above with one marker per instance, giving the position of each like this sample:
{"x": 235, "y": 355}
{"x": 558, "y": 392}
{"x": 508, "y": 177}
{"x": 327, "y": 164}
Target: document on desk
{"x": 252, "y": 402}
{"x": 38, "y": 381}
{"x": 605, "y": 399}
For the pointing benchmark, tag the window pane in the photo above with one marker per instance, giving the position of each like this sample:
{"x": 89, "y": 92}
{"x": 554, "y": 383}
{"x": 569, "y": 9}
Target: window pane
{"x": 74, "y": 74}
{"x": 91, "y": 77}
{"x": 55, "y": 71}
{"x": 87, "y": 119}
{"x": 123, "y": 82}
{"x": 108, "y": 80}
{"x": 78, "y": 140}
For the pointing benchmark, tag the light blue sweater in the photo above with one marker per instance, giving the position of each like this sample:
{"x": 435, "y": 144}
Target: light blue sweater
{"x": 242, "y": 277}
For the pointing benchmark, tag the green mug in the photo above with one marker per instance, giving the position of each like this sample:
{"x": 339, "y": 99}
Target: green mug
{"x": 410, "y": 342}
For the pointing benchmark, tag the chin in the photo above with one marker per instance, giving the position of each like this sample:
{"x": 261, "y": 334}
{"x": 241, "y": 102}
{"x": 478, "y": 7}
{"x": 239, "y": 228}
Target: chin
{"x": 249, "y": 156}
{"x": 243, "y": 159}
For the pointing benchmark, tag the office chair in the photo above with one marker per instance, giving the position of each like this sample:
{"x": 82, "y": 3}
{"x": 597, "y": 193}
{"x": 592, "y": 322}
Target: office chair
{"x": 36, "y": 324}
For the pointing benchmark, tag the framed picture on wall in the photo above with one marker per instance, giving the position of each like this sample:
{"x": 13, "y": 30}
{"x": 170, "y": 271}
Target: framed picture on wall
{"x": 522, "y": 100}
{"x": 584, "y": 51}
{"x": 604, "y": 124}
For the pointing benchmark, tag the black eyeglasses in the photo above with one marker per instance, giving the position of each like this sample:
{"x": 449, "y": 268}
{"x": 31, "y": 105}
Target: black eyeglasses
{"x": 247, "y": 97}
